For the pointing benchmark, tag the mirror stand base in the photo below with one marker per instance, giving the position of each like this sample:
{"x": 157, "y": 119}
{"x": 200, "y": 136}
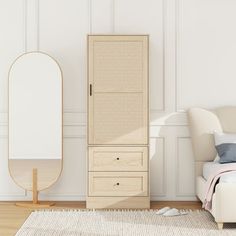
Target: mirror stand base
{"x": 35, "y": 203}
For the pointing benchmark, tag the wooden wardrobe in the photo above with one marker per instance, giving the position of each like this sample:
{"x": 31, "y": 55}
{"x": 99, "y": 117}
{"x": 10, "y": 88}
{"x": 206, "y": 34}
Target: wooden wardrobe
{"x": 118, "y": 122}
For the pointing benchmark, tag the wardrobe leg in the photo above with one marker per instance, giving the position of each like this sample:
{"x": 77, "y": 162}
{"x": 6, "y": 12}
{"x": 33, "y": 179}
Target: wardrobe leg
{"x": 220, "y": 225}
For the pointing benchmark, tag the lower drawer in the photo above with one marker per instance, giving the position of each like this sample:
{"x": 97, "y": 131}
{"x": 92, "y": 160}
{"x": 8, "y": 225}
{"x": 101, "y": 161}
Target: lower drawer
{"x": 118, "y": 184}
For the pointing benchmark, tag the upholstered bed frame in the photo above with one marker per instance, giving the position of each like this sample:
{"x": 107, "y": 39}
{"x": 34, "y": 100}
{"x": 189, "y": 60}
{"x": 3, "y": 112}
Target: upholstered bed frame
{"x": 202, "y": 124}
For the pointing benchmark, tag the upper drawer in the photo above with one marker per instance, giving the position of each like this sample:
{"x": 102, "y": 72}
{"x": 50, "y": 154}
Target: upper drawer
{"x": 118, "y": 159}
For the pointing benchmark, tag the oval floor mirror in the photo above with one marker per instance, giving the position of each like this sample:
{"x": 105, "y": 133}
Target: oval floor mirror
{"x": 35, "y": 117}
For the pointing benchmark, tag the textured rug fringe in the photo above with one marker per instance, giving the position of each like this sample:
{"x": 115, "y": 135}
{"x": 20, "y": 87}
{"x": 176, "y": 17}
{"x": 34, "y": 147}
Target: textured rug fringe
{"x": 112, "y": 210}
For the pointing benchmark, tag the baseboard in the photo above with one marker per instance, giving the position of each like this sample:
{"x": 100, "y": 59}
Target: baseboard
{"x": 178, "y": 198}
{"x": 78, "y": 197}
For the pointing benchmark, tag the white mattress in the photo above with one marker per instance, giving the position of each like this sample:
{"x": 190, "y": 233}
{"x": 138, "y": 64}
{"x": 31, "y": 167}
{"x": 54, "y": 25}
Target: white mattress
{"x": 210, "y": 167}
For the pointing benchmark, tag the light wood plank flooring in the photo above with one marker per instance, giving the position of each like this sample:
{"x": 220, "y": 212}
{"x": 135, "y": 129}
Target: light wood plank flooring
{"x": 12, "y": 217}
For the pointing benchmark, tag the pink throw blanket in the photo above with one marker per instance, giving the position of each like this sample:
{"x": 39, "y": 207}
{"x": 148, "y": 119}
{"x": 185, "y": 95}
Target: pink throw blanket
{"x": 212, "y": 181}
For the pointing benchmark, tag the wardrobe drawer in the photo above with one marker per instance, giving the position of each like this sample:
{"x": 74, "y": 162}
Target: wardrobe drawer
{"x": 118, "y": 159}
{"x": 118, "y": 184}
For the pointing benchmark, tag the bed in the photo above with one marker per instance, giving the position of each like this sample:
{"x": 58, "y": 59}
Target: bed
{"x": 202, "y": 125}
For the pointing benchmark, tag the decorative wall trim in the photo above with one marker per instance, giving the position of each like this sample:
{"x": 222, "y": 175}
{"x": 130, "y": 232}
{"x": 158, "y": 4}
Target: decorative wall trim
{"x": 90, "y": 12}
{"x": 37, "y": 9}
{"x": 64, "y": 136}
{"x": 169, "y": 198}
{"x": 24, "y": 30}
{"x": 13, "y": 196}
{"x": 77, "y": 197}
{"x": 31, "y": 14}
{"x": 66, "y": 110}
{"x": 49, "y": 197}
{"x": 177, "y": 184}
{"x": 169, "y": 125}
{"x": 62, "y": 197}
{"x": 164, "y": 26}
{"x": 113, "y": 16}
{"x": 72, "y": 118}
{"x": 178, "y": 49}
{"x": 164, "y": 167}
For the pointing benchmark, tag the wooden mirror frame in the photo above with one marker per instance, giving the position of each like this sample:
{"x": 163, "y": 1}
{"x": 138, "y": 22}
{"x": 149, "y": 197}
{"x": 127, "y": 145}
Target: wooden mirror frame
{"x": 34, "y": 172}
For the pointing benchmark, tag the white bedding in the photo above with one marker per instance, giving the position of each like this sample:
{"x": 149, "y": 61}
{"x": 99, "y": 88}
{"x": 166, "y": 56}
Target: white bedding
{"x": 210, "y": 167}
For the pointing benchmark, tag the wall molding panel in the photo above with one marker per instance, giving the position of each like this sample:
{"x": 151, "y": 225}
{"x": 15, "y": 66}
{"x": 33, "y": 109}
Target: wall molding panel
{"x": 24, "y": 25}
{"x": 13, "y": 197}
{"x": 158, "y": 158}
{"x": 185, "y": 183}
{"x": 205, "y": 53}
{"x": 79, "y": 118}
{"x": 177, "y": 53}
{"x": 32, "y": 25}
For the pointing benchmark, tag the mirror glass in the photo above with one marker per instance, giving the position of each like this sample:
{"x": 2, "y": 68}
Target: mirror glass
{"x": 35, "y": 120}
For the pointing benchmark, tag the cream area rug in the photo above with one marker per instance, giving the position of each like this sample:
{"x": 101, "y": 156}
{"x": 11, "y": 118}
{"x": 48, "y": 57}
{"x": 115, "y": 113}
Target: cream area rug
{"x": 121, "y": 223}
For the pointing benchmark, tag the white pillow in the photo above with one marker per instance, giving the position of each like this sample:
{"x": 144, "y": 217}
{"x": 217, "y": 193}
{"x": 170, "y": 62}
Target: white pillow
{"x": 221, "y": 138}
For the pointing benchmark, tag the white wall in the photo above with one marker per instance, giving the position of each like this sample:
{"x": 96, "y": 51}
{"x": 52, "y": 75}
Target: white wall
{"x": 192, "y": 63}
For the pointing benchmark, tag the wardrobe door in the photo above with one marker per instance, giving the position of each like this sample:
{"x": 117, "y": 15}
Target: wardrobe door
{"x": 118, "y": 71}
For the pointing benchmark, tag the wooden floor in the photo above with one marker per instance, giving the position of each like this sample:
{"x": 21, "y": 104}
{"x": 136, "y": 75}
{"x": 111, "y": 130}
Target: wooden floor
{"x": 12, "y": 217}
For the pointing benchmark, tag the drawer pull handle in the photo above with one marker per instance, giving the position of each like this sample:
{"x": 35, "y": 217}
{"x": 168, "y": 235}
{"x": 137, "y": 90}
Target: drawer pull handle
{"x": 117, "y": 158}
{"x": 90, "y": 90}
{"x": 117, "y": 183}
